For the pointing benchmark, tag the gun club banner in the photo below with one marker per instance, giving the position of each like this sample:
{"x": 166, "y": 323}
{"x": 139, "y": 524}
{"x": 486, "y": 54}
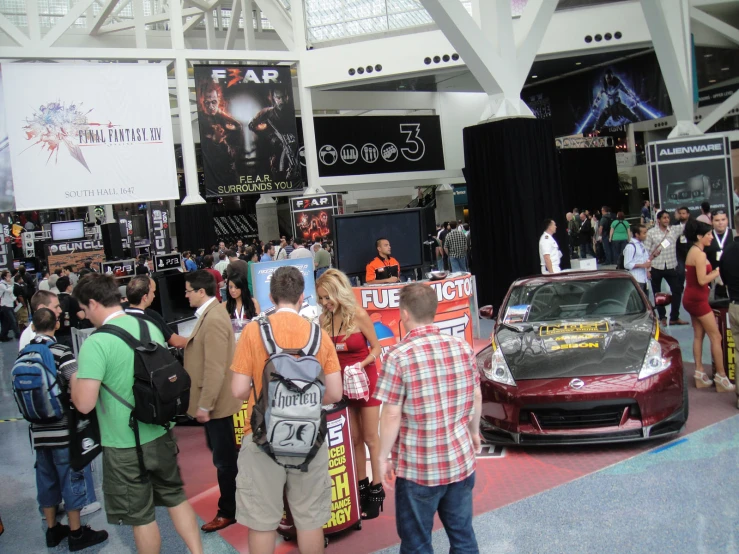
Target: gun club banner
{"x": 248, "y": 134}
{"x": 84, "y": 135}
{"x": 74, "y": 253}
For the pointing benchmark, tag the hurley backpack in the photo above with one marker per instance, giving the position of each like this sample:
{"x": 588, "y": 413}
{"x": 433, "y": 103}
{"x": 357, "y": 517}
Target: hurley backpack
{"x": 36, "y": 385}
{"x": 288, "y": 419}
{"x": 161, "y": 386}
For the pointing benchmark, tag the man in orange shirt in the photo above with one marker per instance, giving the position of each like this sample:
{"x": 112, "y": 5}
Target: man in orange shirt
{"x": 261, "y": 480}
{"x": 384, "y": 268}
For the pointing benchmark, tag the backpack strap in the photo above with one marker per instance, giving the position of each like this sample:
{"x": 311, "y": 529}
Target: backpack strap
{"x": 314, "y": 341}
{"x": 268, "y": 337}
{"x": 144, "y": 344}
{"x": 272, "y": 348}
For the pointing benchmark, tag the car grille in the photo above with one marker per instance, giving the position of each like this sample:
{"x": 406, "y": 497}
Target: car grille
{"x": 574, "y": 418}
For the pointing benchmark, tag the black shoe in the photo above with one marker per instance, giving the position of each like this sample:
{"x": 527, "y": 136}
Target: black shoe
{"x": 375, "y": 501}
{"x": 85, "y": 538}
{"x": 56, "y": 534}
{"x": 364, "y": 486}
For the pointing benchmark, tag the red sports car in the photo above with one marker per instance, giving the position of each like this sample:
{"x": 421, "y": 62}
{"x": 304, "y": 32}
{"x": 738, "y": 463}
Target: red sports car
{"x": 580, "y": 358}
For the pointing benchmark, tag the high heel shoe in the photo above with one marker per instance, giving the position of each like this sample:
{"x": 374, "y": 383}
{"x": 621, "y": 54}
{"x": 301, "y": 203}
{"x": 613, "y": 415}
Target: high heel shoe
{"x": 723, "y": 384}
{"x": 702, "y": 381}
{"x": 363, "y": 485}
{"x": 374, "y": 503}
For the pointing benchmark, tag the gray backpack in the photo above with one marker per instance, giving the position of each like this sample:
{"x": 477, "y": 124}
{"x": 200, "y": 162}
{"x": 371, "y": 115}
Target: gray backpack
{"x": 288, "y": 419}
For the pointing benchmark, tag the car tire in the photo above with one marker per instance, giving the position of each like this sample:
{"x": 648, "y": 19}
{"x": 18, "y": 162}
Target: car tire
{"x": 686, "y": 402}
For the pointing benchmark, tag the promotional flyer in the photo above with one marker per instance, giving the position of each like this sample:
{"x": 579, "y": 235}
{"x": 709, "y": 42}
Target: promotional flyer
{"x": 690, "y": 171}
{"x": 248, "y": 134}
{"x": 262, "y": 275}
{"x": 88, "y": 134}
{"x": 313, "y": 216}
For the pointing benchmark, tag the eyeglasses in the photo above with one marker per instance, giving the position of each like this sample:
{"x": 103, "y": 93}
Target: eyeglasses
{"x": 189, "y": 291}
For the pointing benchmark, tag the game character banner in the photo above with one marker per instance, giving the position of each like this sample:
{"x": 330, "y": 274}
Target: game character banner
{"x": 248, "y": 133}
{"x": 262, "y": 275}
{"x": 691, "y": 170}
{"x": 74, "y": 253}
{"x": 313, "y": 216}
{"x": 88, "y": 135}
{"x": 603, "y": 100}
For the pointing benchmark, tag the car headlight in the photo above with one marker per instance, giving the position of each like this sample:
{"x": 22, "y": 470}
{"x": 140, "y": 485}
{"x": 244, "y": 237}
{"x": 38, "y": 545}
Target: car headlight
{"x": 653, "y": 361}
{"x": 495, "y": 368}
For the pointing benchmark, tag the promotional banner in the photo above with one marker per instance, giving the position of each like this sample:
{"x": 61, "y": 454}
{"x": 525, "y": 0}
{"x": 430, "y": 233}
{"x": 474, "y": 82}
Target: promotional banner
{"x": 262, "y": 275}
{"x": 690, "y": 171}
{"x": 6, "y": 249}
{"x": 248, "y": 134}
{"x": 453, "y": 314}
{"x": 74, "y": 253}
{"x": 729, "y": 352}
{"x": 158, "y": 215}
{"x": 604, "y": 99}
{"x": 359, "y": 145}
{"x": 7, "y": 200}
{"x": 83, "y": 135}
{"x": 313, "y": 216}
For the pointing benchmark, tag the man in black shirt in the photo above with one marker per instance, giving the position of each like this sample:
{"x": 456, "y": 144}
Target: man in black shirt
{"x": 140, "y": 292}
{"x": 141, "y": 267}
{"x": 722, "y": 235}
{"x": 71, "y": 315}
{"x": 683, "y": 245}
{"x": 606, "y": 220}
{"x": 730, "y": 277}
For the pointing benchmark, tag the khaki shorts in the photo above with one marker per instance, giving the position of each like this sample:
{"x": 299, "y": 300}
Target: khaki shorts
{"x": 128, "y": 501}
{"x": 261, "y": 482}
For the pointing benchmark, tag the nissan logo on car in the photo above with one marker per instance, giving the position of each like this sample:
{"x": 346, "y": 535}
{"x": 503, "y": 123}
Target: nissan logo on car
{"x": 577, "y": 384}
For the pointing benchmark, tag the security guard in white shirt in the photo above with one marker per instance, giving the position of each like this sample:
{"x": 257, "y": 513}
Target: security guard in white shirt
{"x": 549, "y": 252}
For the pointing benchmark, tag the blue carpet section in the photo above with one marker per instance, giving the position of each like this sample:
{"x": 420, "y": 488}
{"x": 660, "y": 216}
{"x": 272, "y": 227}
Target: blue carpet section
{"x": 681, "y": 497}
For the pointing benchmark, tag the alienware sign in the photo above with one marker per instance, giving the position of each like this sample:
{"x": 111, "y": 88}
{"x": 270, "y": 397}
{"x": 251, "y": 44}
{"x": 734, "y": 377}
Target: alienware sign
{"x": 690, "y": 171}
{"x": 371, "y": 145}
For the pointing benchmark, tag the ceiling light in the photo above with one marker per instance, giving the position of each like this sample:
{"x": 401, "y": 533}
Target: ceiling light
{"x": 725, "y": 69}
{"x": 707, "y": 55}
{"x": 578, "y": 63}
{"x": 534, "y": 76}
{"x": 712, "y": 81}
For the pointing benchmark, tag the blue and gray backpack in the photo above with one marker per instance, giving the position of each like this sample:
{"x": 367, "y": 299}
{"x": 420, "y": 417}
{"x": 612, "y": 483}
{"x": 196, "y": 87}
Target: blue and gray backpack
{"x": 36, "y": 385}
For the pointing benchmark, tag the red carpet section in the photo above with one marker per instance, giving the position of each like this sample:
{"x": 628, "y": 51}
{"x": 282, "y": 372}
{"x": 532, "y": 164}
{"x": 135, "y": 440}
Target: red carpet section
{"x": 503, "y": 476}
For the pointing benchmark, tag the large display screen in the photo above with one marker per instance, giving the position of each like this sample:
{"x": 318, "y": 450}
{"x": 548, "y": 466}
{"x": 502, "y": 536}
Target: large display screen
{"x": 68, "y": 230}
{"x": 356, "y": 235}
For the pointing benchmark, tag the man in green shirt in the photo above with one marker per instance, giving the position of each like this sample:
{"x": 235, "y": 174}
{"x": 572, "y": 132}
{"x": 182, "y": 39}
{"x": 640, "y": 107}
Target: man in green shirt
{"x": 104, "y": 359}
{"x": 321, "y": 261}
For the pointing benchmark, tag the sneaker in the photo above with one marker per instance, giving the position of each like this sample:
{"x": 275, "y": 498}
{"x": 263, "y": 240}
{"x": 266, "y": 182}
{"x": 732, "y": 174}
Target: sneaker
{"x": 56, "y": 534}
{"x": 85, "y": 538}
{"x": 90, "y": 509}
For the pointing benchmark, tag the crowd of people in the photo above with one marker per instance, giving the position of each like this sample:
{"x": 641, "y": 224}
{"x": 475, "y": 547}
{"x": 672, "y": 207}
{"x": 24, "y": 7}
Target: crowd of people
{"x": 140, "y": 469}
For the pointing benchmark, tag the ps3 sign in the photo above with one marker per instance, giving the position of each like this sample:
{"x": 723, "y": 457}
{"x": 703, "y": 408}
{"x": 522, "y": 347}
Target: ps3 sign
{"x": 76, "y": 246}
{"x": 167, "y": 261}
{"x": 118, "y": 268}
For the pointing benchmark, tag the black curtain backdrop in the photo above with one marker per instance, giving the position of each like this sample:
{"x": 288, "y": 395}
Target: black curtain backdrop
{"x": 513, "y": 184}
{"x": 195, "y": 227}
{"x": 590, "y": 179}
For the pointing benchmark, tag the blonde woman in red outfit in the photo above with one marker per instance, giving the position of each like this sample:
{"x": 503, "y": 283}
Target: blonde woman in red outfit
{"x": 354, "y": 337}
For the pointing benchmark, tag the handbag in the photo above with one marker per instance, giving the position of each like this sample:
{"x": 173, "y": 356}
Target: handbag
{"x": 84, "y": 438}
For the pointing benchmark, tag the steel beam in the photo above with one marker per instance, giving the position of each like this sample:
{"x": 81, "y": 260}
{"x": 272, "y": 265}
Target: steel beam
{"x": 102, "y": 18}
{"x": 155, "y": 18}
{"x": 64, "y": 53}
{"x": 534, "y": 22}
{"x": 719, "y": 112}
{"x": 13, "y": 32}
{"x": 280, "y": 21}
{"x": 65, "y": 23}
{"x": 233, "y": 28}
{"x": 716, "y": 24}
{"x": 34, "y": 25}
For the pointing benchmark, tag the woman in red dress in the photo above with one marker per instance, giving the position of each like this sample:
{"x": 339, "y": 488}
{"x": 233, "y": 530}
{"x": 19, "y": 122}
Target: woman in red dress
{"x": 698, "y": 274}
{"x": 351, "y": 330}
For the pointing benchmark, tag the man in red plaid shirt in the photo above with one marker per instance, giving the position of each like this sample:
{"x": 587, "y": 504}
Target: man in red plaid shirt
{"x": 431, "y": 420}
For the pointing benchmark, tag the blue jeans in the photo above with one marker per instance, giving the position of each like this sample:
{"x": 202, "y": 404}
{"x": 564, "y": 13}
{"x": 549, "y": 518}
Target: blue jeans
{"x": 607, "y": 250}
{"x": 458, "y": 264}
{"x": 440, "y": 264}
{"x": 55, "y": 480}
{"x": 416, "y": 505}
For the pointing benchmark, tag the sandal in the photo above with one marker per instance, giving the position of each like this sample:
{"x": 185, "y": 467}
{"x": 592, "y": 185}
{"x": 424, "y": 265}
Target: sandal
{"x": 374, "y": 503}
{"x": 702, "y": 381}
{"x": 723, "y": 384}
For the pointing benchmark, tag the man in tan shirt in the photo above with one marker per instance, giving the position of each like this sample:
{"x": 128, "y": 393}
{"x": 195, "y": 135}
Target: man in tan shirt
{"x": 208, "y": 355}
{"x": 261, "y": 480}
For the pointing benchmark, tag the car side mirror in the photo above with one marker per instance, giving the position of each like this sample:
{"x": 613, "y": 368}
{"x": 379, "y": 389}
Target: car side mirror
{"x": 662, "y": 299}
{"x": 487, "y": 312}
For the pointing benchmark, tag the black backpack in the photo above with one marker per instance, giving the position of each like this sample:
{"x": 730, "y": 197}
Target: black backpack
{"x": 161, "y": 386}
{"x": 621, "y": 264}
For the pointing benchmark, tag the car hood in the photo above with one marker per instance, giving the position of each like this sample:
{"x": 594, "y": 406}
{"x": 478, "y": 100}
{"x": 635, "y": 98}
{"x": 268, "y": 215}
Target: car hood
{"x": 576, "y": 348}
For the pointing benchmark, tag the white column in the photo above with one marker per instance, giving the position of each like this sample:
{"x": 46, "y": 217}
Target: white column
{"x": 268, "y": 224}
{"x": 109, "y": 215}
{"x": 445, "y": 204}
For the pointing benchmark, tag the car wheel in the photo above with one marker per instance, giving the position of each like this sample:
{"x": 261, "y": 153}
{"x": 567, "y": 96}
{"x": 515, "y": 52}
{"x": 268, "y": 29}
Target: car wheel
{"x": 686, "y": 403}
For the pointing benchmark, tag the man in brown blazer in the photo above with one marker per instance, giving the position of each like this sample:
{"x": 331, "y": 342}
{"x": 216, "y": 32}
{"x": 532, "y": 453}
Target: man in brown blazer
{"x": 208, "y": 356}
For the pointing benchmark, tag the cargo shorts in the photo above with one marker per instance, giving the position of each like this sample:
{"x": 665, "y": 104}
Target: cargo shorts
{"x": 128, "y": 501}
{"x": 261, "y": 482}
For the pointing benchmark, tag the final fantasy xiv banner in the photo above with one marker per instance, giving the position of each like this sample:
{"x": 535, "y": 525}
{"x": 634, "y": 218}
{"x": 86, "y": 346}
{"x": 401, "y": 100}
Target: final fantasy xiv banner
{"x": 248, "y": 133}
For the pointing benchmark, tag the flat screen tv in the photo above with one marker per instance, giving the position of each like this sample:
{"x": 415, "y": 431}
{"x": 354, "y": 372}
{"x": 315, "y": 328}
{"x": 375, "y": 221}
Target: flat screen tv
{"x": 68, "y": 230}
{"x": 170, "y": 300}
{"x": 356, "y": 235}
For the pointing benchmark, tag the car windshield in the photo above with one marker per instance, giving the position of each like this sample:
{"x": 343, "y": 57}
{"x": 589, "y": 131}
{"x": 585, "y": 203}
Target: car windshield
{"x": 542, "y": 301}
